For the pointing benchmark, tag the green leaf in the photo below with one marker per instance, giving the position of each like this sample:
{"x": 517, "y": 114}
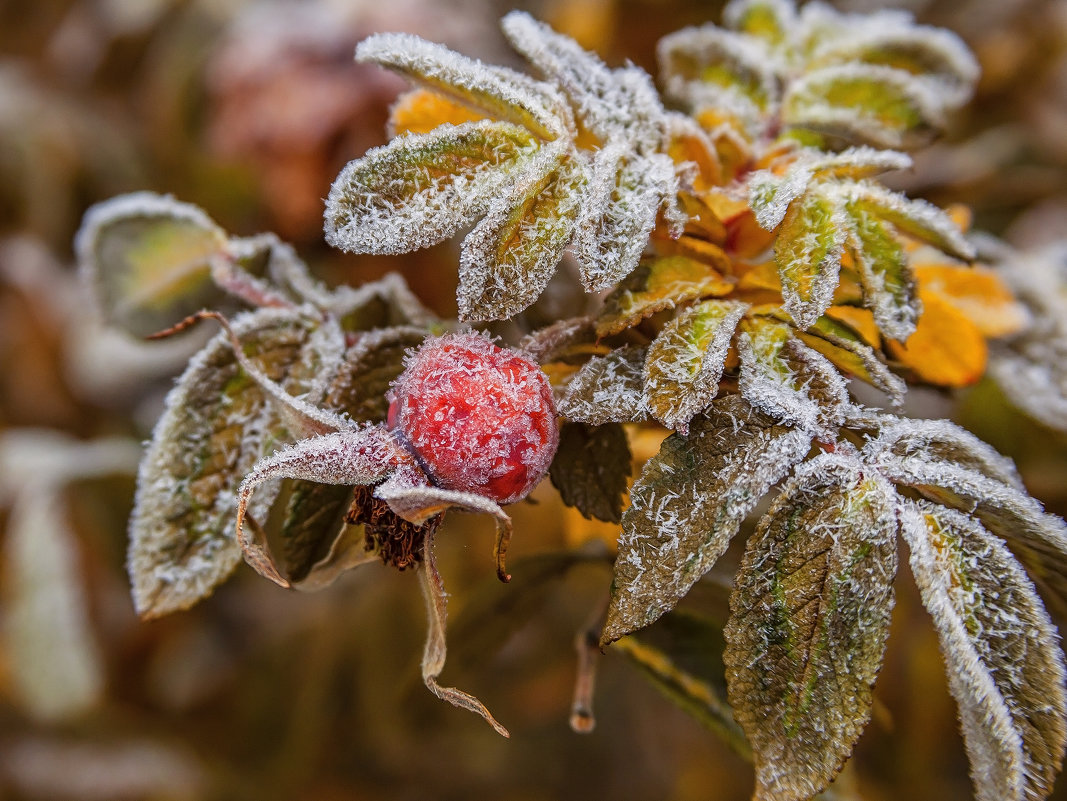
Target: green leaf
{"x": 810, "y": 619}
{"x": 608, "y": 389}
{"x": 501, "y": 93}
{"x": 509, "y": 257}
{"x": 216, "y": 424}
{"x": 808, "y": 254}
{"x": 1039, "y": 540}
{"x": 658, "y": 284}
{"x": 771, "y": 20}
{"x": 846, "y": 349}
{"x": 1004, "y": 667}
{"x": 682, "y": 657}
{"x": 889, "y": 288}
{"x": 916, "y": 218}
{"x": 865, "y": 104}
{"x": 421, "y": 189}
{"x": 685, "y": 362}
{"x": 689, "y": 502}
{"x": 591, "y": 467}
{"x": 148, "y": 259}
{"x": 784, "y": 378}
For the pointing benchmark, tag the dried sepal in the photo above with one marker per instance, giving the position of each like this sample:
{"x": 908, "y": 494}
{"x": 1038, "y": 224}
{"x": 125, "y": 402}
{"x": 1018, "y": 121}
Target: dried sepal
{"x": 501, "y": 93}
{"x": 658, "y": 284}
{"x": 811, "y": 607}
{"x": 1004, "y": 666}
{"x": 608, "y": 389}
{"x": 591, "y": 469}
{"x": 549, "y": 343}
{"x": 420, "y": 189}
{"x": 148, "y": 260}
{"x": 688, "y": 503}
{"x": 791, "y": 382}
{"x": 216, "y": 424}
{"x": 808, "y": 252}
{"x": 350, "y": 457}
{"x": 685, "y": 362}
{"x": 509, "y": 257}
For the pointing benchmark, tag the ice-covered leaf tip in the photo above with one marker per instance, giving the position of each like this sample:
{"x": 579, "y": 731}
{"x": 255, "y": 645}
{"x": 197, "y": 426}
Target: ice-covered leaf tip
{"x": 516, "y": 171}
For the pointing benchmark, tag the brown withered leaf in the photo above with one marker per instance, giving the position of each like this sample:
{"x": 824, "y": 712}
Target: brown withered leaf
{"x": 658, "y": 284}
{"x": 591, "y": 467}
{"x": 810, "y": 618}
{"x": 1004, "y": 666}
{"x": 216, "y": 424}
{"x": 685, "y": 362}
{"x": 688, "y": 503}
{"x": 608, "y": 389}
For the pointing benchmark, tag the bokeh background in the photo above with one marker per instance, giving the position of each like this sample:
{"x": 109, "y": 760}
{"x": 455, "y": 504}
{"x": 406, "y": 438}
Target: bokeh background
{"x": 249, "y": 109}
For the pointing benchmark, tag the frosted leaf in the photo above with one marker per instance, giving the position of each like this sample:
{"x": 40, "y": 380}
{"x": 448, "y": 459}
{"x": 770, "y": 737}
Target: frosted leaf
{"x": 784, "y": 378}
{"x": 216, "y": 424}
{"x": 685, "y": 361}
{"x": 147, "y": 259}
{"x": 770, "y": 195}
{"x": 350, "y": 457}
{"x": 936, "y": 55}
{"x": 55, "y": 665}
{"x": 687, "y": 504}
{"x": 378, "y": 304}
{"x": 591, "y": 469}
{"x": 549, "y": 343}
{"x": 1039, "y": 540}
{"x": 852, "y": 356}
{"x": 608, "y": 389}
{"x": 858, "y": 162}
{"x": 701, "y": 67}
{"x": 1032, "y": 368}
{"x": 267, "y": 255}
{"x": 658, "y": 284}
{"x": 916, "y": 218}
{"x": 941, "y": 440}
{"x": 810, "y": 617}
{"x": 1001, "y": 652}
{"x": 772, "y": 20}
{"x": 501, "y": 93}
{"x": 624, "y": 195}
{"x": 609, "y": 103}
{"x": 808, "y": 251}
{"x": 866, "y": 104}
{"x": 509, "y": 257}
{"x": 420, "y": 189}
{"x": 889, "y": 287}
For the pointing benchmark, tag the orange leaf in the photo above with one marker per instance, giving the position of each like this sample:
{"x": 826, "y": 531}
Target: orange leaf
{"x": 859, "y": 320}
{"x": 946, "y": 349}
{"x": 422, "y": 110}
{"x": 976, "y": 292}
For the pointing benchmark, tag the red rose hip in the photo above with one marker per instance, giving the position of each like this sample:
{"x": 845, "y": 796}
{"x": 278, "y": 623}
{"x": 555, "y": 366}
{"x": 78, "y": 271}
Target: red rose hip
{"x": 478, "y": 417}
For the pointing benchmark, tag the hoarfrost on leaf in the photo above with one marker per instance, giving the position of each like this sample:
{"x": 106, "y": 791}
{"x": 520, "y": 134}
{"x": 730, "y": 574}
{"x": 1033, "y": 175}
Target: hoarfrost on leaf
{"x": 608, "y": 389}
{"x": 688, "y": 503}
{"x": 1004, "y": 665}
{"x": 810, "y": 617}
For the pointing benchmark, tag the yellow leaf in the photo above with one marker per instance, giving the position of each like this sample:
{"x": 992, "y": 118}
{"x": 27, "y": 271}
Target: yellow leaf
{"x": 747, "y": 238}
{"x": 976, "y": 292}
{"x": 693, "y": 149}
{"x": 697, "y": 249}
{"x": 859, "y": 320}
{"x": 946, "y": 349}
{"x": 760, "y": 276}
{"x": 422, "y": 110}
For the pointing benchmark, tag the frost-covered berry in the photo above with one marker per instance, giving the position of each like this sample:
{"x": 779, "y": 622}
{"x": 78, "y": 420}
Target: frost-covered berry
{"x": 478, "y": 417}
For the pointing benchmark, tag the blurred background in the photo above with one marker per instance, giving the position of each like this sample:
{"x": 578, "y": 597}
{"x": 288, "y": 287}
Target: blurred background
{"x": 249, "y": 110}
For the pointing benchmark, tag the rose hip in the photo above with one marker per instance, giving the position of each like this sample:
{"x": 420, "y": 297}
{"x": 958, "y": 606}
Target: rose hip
{"x": 478, "y": 417}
